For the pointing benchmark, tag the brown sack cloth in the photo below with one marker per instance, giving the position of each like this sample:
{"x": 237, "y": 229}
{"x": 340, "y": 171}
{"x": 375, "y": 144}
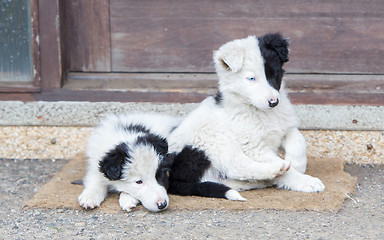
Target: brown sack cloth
{"x": 60, "y": 193}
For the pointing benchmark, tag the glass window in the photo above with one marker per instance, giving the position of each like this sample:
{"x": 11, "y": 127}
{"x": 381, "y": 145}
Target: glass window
{"x": 15, "y": 41}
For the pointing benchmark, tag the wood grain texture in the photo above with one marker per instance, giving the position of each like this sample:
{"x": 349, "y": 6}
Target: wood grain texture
{"x": 119, "y": 96}
{"x": 87, "y": 34}
{"x": 49, "y": 42}
{"x": 335, "y": 98}
{"x": 179, "y": 36}
{"x": 302, "y": 88}
{"x": 18, "y": 87}
{"x": 371, "y": 99}
{"x": 208, "y": 82}
{"x": 249, "y": 8}
{"x": 299, "y": 98}
{"x": 202, "y": 83}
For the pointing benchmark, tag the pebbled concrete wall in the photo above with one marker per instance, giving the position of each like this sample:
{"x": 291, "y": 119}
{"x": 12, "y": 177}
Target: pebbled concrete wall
{"x": 313, "y": 117}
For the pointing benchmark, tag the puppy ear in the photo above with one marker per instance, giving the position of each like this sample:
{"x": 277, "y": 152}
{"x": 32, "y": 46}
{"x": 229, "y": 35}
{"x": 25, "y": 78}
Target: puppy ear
{"x": 160, "y": 144}
{"x": 168, "y": 160}
{"x": 277, "y": 43}
{"x": 230, "y": 57}
{"x": 112, "y": 163}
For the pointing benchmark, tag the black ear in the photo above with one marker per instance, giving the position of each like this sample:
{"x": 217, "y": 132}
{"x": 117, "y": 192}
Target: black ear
{"x": 159, "y": 143}
{"x": 277, "y": 43}
{"x": 112, "y": 163}
{"x": 168, "y": 160}
{"x": 164, "y": 170}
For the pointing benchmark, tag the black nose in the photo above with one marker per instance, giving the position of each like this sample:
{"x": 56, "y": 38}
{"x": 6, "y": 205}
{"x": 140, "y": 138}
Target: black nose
{"x": 161, "y": 205}
{"x": 273, "y": 102}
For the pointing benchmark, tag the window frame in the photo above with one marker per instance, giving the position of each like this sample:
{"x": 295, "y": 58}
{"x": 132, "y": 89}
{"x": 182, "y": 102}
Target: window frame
{"x": 34, "y": 85}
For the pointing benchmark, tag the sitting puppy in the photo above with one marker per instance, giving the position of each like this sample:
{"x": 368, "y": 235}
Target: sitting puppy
{"x": 128, "y": 154}
{"x": 233, "y": 138}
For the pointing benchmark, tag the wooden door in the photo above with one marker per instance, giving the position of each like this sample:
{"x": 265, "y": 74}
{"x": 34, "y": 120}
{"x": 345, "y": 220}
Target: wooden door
{"x": 336, "y": 46}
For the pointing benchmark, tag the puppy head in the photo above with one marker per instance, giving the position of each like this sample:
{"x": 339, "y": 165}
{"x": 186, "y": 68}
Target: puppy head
{"x": 137, "y": 170}
{"x": 250, "y": 69}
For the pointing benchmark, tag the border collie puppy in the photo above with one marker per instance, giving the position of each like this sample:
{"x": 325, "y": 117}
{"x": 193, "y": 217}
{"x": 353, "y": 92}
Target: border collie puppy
{"x": 128, "y": 154}
{"x": 232, "y": 139}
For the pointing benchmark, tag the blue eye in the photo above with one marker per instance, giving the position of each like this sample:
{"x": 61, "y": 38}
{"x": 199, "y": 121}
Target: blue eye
{"x": 139, "y": 182}
{"x": 252, "y": 79}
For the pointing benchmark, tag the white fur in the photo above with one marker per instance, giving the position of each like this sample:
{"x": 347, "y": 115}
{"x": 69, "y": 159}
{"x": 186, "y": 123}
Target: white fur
{"x": 241, "y": 135}
{"x": 234, "y": 195}
{"x": 143, "y": 167}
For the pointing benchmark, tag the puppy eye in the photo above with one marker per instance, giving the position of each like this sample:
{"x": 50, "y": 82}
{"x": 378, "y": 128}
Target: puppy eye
{"x": 252, "y": 79}
{"x": 139, "y": 182}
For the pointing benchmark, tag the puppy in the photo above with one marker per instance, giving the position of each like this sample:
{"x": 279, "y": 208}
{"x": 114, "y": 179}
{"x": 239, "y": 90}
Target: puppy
{"x": 128, "y": 154}
{"x": 232, "y": 139}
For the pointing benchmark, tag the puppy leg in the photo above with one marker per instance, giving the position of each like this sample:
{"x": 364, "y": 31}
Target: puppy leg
{"x": 94, "y": 192}
{"x": 295, "y": 149}
{"x": 297, "y": 181}
{"x": 127, "y": 202}
{"x": 246, "y": 169}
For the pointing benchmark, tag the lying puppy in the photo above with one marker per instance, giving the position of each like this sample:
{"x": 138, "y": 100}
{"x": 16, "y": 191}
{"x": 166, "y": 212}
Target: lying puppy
{"x": 233, "y": 138}
{"x": 128, "y": 154}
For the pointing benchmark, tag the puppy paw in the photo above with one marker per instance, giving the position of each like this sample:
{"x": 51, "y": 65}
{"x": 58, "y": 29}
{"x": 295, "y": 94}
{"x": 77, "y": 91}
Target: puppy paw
{"x": 276, "y": 170}
{"x": 304, "y": 183}
{"x": 90, "y": 199}
{"x": 311, "y": 184}
{"x": 284, "y": 168}
{"x": 127, "y": 202}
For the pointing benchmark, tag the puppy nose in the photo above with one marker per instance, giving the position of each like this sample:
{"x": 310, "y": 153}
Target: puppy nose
{"x": 161, "y": 205}
{"x": 273, "y": 102}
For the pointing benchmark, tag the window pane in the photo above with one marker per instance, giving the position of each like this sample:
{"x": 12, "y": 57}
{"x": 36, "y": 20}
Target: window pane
{"x": 15, "y": 41}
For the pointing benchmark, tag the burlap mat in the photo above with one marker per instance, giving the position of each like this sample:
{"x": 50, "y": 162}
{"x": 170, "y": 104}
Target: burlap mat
{"x": 60, "y": 193}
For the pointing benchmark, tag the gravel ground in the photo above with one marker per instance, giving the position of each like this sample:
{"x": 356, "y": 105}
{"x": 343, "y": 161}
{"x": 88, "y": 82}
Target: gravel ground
{"x": 362, "y": 216}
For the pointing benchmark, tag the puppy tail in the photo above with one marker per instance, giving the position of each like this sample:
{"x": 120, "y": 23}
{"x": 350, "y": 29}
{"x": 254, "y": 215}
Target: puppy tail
{"x": 205, "y": 189}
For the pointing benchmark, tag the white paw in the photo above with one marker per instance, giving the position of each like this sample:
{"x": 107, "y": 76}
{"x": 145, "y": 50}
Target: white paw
{"x": 311, "y": 184}
{"x": 277, "y": 170}
{"x": 304, "y": 183}
{"x": 284, "y": 168}
{"x": 127, "y": 202}
{"x": 234, "y": 196}
{"x": 91, "y": 198}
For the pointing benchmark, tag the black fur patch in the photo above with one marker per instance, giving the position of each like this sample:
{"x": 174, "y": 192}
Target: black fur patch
{"x": 274, "y": 50}
{"x": 189, "y": 165}
{"x": 160, "y": 144}
{"x": 136, "y": 128}
{"x": 186, "y": 172}
{"x": 202, "y": 189}
{"x": 112, "y": 163}
{"x": 218, "y": 98}
{"x": 164, "y": 170}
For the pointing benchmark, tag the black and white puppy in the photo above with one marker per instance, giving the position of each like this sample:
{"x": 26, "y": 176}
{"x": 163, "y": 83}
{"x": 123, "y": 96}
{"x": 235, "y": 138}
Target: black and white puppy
{"x": 128, "y": 154}
{"x": 231, "y": 141}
